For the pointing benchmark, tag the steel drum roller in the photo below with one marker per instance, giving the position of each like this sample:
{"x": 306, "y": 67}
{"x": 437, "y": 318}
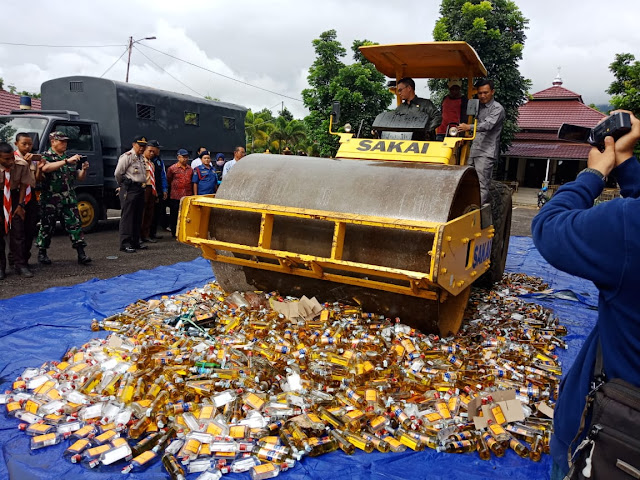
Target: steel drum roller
{"x": 398, "y": 190}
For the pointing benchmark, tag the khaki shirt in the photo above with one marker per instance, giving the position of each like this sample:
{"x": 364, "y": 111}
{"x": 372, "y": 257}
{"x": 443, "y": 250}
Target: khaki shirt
{"x": 19, "y": 175}
{"x": 132, "y": 167}
{"x": 31, "y": 165}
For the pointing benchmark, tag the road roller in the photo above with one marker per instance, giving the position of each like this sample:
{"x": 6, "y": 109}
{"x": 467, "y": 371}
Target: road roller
{"x": 392, "y": 224}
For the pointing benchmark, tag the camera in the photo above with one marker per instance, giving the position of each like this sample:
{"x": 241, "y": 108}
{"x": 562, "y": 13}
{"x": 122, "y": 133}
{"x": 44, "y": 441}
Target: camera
{"x": 83, "y": 158}
{"x": 615, "y": 125}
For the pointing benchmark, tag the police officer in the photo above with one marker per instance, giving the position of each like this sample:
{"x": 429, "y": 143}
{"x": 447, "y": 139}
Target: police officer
{"x": 131, "y": 176}
{"x": 58, "y": 197}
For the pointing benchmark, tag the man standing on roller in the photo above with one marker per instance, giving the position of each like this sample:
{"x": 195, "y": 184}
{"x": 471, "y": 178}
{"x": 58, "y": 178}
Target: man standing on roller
{"x": 485, "y": 148}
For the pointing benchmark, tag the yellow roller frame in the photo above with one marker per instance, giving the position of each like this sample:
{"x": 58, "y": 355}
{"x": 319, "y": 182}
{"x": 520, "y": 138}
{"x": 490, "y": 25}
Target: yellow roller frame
{"x": 457, "y": 256}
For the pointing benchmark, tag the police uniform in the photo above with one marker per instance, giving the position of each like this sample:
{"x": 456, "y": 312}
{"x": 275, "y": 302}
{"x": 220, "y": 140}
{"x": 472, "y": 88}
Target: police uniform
{"x": 131, "y": 175}
{"x": 58, "y": 199}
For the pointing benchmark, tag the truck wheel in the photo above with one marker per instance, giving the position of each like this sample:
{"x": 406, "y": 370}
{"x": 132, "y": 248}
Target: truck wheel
{"x": 501, "y": 210}
{"x": 88, "y": 209}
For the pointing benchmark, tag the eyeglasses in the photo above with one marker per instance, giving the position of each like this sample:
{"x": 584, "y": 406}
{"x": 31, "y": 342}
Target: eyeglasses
{"x": 402, "y": 88}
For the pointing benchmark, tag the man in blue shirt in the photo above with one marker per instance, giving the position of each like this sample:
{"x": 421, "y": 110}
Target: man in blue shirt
{"x": 205, "y": 180}
{"x": 599, "y": 243}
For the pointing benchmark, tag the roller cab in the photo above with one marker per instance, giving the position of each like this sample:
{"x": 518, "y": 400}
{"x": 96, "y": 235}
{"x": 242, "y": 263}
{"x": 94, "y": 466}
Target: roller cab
{"x": 392, "y": 224}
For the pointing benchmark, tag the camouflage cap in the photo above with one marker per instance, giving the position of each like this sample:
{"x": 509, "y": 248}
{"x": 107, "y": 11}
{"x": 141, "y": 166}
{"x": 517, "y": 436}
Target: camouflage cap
{"x": 58, "y": 135}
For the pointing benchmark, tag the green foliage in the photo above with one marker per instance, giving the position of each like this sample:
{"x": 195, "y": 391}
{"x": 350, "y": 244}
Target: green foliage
{"x": 496, "y": 31}
{"x": 286, "y": 114}
{"x": 359, "y": 87}
{"x": 288, "y": 133}
{"x": 625, "y": 89}
{"x": 258, "y": 127}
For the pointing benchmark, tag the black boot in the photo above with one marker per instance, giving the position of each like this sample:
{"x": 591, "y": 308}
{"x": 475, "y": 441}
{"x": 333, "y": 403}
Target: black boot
{"x": 43, "y": 258}
{"x": 83, "y": 258}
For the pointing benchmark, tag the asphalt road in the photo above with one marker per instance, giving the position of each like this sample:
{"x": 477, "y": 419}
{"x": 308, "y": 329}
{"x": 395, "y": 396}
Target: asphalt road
{"x": 109, "y": 262}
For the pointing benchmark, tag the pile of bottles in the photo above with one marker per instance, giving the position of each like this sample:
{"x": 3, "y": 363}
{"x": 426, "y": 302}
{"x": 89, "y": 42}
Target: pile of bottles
{"x": 213, "y": 383}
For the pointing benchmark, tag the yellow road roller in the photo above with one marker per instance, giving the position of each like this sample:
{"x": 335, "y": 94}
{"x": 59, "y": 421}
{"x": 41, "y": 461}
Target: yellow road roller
{"x": 392, "y": 224}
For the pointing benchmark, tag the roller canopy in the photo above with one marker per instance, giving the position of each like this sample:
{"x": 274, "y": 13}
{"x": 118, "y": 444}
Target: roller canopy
{"x": 426, "y": 60}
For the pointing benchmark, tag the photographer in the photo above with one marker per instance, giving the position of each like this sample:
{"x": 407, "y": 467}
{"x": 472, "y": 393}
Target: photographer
{"x": 58, "y": 198}
{"x": 599, "y": 243}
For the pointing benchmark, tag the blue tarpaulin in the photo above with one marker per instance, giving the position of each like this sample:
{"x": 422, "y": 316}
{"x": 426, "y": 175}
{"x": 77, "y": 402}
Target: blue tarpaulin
{"x": 39, "y": 327}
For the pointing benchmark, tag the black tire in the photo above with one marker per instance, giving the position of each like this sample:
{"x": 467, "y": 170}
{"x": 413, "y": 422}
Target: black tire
{"x": 501, "y": 210}
{"x": 89, "y": 211}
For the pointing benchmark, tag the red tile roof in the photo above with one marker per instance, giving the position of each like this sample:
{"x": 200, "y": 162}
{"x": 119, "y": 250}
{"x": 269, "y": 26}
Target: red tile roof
{"x": 558, "y": 150}
{"x": 543, "y": 136}
{"x": 550, "y": 114}
{"x": 556, "y": 92}
{"x": 9, "y": 101}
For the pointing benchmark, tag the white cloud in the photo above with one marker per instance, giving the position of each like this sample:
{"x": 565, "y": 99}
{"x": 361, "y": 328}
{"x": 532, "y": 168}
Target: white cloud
{"x": 269, "y": 43}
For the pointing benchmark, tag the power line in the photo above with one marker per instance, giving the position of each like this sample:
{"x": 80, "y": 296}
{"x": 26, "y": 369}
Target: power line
{"x": 176, "y": 79}
{"x": 222, "y": 75}
{"x": 117, "y": 60}
{"x": 59, "y": 46}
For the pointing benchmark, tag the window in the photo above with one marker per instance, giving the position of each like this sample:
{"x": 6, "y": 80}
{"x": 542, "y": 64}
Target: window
{"x": 229, "y": 123}
{"x": 146, "y": 112}
{"x": 76, "y": 87}
{"x": 192, "y": 118}
{"x": 80, "y": 137}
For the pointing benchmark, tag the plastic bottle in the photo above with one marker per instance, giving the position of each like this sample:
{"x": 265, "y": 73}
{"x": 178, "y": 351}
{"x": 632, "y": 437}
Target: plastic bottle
{"x": 141, "y": 462}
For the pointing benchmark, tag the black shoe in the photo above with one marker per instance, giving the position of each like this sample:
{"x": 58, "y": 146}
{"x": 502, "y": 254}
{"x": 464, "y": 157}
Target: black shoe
{"x": 24, "y": 271}
{"x": 128, "y": 249}
{"x": 149, "y": 240}
{"x": 2, "y": 275}
{"x": 142, "y": 246}
{"x": 83, "y": 258}
{"x": 42, "y": 257}
{"x": 156, "y": 237}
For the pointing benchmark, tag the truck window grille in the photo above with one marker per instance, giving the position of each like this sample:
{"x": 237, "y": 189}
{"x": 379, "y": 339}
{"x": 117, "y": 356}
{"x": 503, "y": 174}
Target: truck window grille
{"x": 147, "y": 112}
{"x": 192, "y": 118}
{"x": 76, "y": 86}
{"x": 229, "y": 123}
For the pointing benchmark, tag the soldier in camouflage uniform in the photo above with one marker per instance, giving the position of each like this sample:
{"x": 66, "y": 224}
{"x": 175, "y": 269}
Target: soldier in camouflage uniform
{"x": 58, "y": 198}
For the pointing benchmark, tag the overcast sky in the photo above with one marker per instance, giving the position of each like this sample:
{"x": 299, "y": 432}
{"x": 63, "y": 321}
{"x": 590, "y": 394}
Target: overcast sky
{"x": 268, "y": 43}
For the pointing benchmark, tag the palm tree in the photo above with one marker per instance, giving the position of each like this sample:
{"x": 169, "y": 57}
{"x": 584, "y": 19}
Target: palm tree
{"x": 288, "y": 133}
{"x": 257, "y": 128}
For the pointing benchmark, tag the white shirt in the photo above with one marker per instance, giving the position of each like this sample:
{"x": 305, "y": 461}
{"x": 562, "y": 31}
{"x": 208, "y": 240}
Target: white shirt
{"x": 227, "y": 167}
{"x": 196, "y": 162}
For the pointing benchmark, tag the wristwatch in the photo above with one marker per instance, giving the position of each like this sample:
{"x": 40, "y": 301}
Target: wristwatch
{"x": 22, "y": 204}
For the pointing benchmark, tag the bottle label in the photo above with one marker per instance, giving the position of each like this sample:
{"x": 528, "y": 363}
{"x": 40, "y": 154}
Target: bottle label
{"x": 498, "y": 415}
{"x": 145, "y": 457}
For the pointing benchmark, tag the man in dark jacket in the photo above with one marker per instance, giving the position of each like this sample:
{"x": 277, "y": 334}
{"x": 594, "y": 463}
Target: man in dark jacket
{"x": 406, "y": 88}
{"x": 599, "y": 243}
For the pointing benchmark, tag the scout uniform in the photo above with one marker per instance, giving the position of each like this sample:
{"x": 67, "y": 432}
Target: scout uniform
{"x": 12, "y": 227}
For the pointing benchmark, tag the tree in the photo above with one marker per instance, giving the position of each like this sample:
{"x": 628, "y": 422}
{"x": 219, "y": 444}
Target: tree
{"x": 288, "y": 133}
{"x": 626, "y": 86}
{"x": 496, "y": 31}
{"x": 286, "y": 114}
{"x": 359, "y": 87}
{"x": 257, "y": 128}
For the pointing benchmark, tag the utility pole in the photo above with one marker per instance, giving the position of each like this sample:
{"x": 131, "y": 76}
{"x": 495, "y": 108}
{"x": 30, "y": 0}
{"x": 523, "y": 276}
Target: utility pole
{"x": 129, "y": 58}
{"x": 132, "y": 42}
